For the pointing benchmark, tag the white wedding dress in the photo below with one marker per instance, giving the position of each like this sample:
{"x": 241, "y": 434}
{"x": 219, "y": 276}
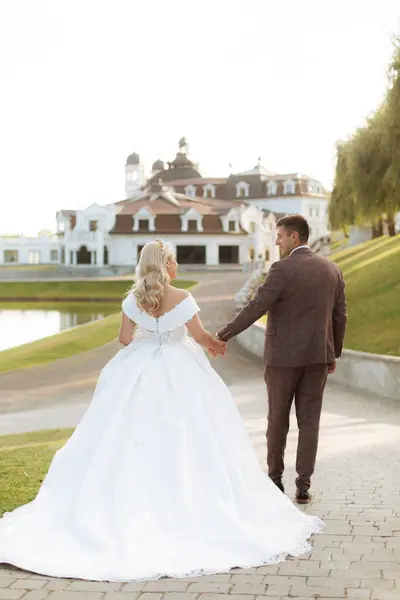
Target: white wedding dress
{"x": 159, "y": 478}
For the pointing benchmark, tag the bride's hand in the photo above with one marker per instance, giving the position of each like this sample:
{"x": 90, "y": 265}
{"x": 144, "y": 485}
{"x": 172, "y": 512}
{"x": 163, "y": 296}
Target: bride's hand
{"x": 218, "y": 348}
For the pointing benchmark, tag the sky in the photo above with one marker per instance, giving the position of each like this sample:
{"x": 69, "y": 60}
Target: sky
{"x": 83, "y": 83}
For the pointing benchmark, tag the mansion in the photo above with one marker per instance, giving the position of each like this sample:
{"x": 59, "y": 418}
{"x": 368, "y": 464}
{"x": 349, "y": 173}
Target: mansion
{"x": 209, "y": 221}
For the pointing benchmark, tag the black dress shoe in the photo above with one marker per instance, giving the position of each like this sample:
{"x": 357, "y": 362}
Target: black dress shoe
{"x": 303, "y": 496}
{"x": 279, "y": 485}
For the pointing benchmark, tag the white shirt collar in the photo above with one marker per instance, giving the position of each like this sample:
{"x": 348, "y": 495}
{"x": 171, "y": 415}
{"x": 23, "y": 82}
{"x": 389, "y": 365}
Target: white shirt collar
{"x": 298, "y": 248}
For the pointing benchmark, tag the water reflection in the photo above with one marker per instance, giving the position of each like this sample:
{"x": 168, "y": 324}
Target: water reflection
{"x": 19, "y": 326}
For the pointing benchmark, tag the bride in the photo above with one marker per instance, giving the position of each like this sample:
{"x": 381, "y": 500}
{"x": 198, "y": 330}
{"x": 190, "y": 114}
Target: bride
{"x": 160, "y": 477}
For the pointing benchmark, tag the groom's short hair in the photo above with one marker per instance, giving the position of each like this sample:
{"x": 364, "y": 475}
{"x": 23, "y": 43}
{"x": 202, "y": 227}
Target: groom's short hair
{"x": 295, "y": 223}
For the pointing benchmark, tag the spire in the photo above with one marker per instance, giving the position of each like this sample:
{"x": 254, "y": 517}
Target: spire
{"x": 183, "y": 145}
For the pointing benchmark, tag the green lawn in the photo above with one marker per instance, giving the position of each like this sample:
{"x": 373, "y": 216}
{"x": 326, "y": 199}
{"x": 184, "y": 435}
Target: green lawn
{"x": 72, "y": 341}
{"x": 85, "y": 289}
{"x": 372, "y": 274}
{"x": 12, "y": 267}
{"x": 24, "y": 461}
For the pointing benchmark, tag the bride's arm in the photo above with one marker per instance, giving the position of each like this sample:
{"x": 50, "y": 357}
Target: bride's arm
{"x": 126, "y": 330}
{"x": 202, "y": 337}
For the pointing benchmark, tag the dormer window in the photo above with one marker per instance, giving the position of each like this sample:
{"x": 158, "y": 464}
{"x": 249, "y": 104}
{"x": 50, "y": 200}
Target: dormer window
{"x": 232, "y": 226}
{"x": 192, "y": 225}
{"x": 272, "y": 188}
{"x": 289, "y": 187}
{"x": 144, "y": 225}
{"x": 144, "y": 220}
{"x": 209, "y": 191}
{"x": 242, "y": 190}
{"x": 231, "y": 221}
{"x": 192, "y": 221}
{"x": 190, "y": 190}
{"x": 93, "y": 225}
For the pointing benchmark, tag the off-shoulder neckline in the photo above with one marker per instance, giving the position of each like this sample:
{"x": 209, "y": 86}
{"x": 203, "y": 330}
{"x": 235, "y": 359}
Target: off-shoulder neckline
{"x": 168, "y": 311}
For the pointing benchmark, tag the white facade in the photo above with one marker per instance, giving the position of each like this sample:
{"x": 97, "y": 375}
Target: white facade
{"x": 313, "y": 208}
{"x": 90, "y": 234}
{"x": 29, "y": 251}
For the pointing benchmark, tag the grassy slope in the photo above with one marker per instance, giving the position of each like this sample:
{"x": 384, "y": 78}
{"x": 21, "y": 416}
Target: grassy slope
{"x": 24, "y": 461}
{"x": 69, "y": 342}
{"x": 372, "y": 275}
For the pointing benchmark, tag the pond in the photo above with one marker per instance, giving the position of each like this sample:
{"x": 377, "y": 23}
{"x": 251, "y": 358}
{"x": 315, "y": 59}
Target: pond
{"x": 26, "y": 322}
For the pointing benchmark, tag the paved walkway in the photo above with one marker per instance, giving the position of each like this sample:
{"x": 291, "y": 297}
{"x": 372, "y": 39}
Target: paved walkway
{"x": 356, "y": 487}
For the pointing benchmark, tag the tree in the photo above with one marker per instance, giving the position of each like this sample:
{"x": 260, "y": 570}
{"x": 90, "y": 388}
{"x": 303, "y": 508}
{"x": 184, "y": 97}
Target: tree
{"x": 369, "y": 161}
{"x": 367, "y": 180}
{"x": 342, "y": 206}
{"x": 392, "y": 138}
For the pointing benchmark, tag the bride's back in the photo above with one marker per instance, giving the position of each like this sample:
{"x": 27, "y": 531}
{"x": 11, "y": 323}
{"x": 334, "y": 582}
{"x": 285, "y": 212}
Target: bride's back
{"x": 171, "y": 297}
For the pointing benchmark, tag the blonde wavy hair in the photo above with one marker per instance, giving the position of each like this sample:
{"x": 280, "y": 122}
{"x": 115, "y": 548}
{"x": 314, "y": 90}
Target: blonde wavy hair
{"x": 152, "y": 275}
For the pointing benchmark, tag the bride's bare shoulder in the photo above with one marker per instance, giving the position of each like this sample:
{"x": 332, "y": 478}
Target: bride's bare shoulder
{"x": 177, "y": 293}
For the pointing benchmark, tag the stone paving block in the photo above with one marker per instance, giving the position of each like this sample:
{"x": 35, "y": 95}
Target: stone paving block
{"x": 365, "y": 570}
{"x": 268, "y": 570}
{"x": 285, "y": 580}
{"x": 379, "y": 594}
{"x": 327, "y": 591}
{"x": 340, "y": 580}
{"x": 121, "y": 595}
{"x": 57, "y": 585}
{"x": 303, "y": 569}
{"x": 169, "y": 585}
{"x": 37, "y": 595}
{"x": 180, "y": 596}
{"x": 336, "y": 565}
{"x": 133, "y": 586}
{"x": 278, "y": 590}
{"x": 249, "y": 589}
{"x": 209, "y": 588}
{"x": 29, "y": 584}
{"x": 392, "y": 574}
{"x": 382, "y": 556}
{"x": 6, "y": 582}
{"x": 223, "y": 578}
{"x": 212, "y": 596}
{"x": 385, "y": 584}
{"x": 358, "y": 593}
{"x": 240, "y": 571}
{"x": 148, "y": 596}
{"x": 7, "y": 572}
{"x": 9, "y": 594}
{"x": 65, "y": 595}
{"x": 237, "y": 579}
{"x": 364, "y": 530}
{"x": 329, "y": 540}
{"x": 319, "y": 597}
{"x": 235, "y": 596}
{"x": 93, "y": 586}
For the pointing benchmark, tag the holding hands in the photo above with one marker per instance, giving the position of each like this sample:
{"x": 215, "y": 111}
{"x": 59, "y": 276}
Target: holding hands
{"x": 217, "y": 347}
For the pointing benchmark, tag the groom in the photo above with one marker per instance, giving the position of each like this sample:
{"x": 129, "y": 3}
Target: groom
{"x": 304, "y": 297}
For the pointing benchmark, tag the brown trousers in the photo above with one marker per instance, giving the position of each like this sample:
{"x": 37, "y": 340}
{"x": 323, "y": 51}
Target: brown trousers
{"x": 306, "y": 385}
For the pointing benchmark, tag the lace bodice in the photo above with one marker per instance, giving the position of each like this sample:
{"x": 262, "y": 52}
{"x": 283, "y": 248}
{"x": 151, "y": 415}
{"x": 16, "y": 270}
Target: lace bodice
{"x": 168, "y": 327}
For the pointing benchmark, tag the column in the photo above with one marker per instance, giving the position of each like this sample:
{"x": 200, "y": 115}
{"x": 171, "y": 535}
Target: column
{"x": 212, "y": 255}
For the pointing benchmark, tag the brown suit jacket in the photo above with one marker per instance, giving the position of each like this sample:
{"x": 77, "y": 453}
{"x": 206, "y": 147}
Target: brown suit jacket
{"x": 304, "y": 297}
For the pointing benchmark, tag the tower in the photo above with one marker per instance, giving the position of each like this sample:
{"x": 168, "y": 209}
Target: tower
{"x": 134, "y": 175}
